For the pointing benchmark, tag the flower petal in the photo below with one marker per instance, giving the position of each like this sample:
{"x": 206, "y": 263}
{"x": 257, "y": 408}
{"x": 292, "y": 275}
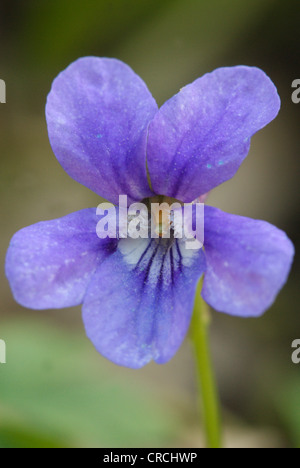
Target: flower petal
{"x": 139, "y": 304}
{"x": 50, "y": 264}
{"x": 248, "y": 262}
{"x": 199, "y": 138}
{"x": 97, "y": 112}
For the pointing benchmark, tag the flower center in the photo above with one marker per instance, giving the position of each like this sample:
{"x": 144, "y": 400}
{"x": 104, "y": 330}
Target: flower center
{"x": 161, "y": 214}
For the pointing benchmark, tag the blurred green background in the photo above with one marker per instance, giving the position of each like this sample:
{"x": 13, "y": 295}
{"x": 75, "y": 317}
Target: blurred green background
{"x": 55, "y": 390}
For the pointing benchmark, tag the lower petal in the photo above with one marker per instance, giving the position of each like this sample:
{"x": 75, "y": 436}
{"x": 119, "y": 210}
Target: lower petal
{"x": 248, "y": 262}
{"x": 139, "y": 304}
{"x": 50, "y": 264}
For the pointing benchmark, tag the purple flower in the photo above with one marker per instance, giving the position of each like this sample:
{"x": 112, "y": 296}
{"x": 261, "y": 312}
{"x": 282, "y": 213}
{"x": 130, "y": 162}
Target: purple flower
{"x": 138, "y": 295}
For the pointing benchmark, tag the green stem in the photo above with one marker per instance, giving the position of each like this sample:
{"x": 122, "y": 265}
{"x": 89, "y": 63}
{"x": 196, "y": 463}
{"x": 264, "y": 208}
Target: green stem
{"x": 207, "y": 388}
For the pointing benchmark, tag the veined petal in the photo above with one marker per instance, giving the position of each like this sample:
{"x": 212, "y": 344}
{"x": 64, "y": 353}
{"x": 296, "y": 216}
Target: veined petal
{"x": 248, "y": 262}
{"x": 199, "y": 138}
{"x": 139, "y": 304}
{"x": 97, "y": 113}
{"x": 50, "y": 264}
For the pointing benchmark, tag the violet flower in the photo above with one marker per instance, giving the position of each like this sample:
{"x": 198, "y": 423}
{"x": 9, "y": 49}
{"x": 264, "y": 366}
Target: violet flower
{"x": 138, "y": 295}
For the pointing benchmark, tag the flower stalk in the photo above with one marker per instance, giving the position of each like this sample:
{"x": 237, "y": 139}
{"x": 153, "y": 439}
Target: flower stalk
{"x": 208, "y": 394}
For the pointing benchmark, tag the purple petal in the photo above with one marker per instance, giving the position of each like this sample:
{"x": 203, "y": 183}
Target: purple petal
{"x": 199, "y": 138}
{"x": 97, "y": 112}
{"x": 50, "y": 264}
{"x": 139, "y": 304}
{"x": 248, "y": 262}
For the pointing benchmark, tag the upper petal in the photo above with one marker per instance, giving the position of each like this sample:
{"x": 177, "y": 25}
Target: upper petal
{"x": 139, "y": 304}
{"x": 50, "y": 264}
{"x": 248, "y": 262}
{"x": 199, "y": 138}
{"x": 97, "y": 113}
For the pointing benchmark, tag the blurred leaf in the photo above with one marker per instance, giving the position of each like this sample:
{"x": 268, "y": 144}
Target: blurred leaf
{"x": 56, "y": 391}
{"x": 190, "y": 38}
{"x": 11, "y": 437}
{"x": 288, "y": 405}
{"x": 55, "y": 29}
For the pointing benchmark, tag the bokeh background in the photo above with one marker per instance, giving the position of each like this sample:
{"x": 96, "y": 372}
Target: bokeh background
{"x": 55, "y": 390}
